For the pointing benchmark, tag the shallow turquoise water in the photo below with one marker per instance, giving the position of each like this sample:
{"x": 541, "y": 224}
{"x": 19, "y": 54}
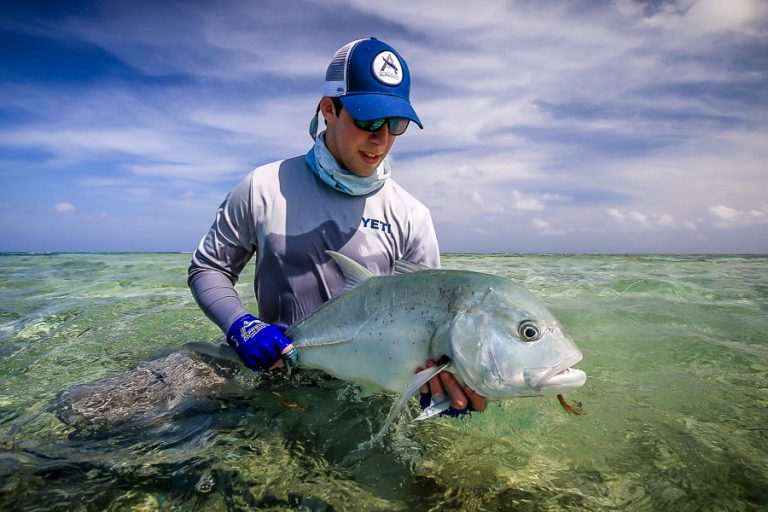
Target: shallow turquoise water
{"x": 675, "y": 348}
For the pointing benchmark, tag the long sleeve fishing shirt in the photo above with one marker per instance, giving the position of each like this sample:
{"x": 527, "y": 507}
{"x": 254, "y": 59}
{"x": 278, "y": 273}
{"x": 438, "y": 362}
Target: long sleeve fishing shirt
{"x": 287, "y": 217}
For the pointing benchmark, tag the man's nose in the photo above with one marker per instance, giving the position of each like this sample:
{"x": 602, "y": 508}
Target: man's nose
{"x": 382, "y": 135}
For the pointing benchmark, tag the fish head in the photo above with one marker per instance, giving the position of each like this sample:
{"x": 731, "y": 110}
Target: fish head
{"x": 508, "y": 344}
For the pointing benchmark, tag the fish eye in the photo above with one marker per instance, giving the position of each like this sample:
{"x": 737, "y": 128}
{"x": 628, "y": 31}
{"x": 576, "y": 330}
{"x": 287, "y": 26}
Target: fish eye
{"x": 529, "y": 331}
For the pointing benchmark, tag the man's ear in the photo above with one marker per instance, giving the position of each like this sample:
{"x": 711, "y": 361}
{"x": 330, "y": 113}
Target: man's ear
{"x": 327, "y": 108}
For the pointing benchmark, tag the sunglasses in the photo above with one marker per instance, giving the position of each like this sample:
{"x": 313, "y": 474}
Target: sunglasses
{"x": 396, "y": 125}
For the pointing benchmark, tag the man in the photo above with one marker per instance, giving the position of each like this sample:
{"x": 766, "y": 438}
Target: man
{"x": 340, "y": 197}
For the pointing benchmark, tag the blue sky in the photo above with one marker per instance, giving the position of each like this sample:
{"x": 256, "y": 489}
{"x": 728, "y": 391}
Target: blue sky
{"x": 570, "y": 126}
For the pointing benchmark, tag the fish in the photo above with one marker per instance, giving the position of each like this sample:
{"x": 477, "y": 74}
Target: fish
{"x": 498, "y": 337}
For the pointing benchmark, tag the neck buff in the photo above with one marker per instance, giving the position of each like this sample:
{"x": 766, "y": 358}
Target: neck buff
{"x": 322, "y": 163}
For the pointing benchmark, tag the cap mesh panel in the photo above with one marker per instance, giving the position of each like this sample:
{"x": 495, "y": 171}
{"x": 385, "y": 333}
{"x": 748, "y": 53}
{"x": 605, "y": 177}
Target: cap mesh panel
{"x": 337, "y": 68}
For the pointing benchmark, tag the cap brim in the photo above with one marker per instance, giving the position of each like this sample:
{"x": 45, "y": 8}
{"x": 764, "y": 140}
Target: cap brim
{"x": 365, "y": 107}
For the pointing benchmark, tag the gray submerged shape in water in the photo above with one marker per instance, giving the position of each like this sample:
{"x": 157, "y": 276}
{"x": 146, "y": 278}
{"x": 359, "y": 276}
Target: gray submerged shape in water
{"x": 164, "y": 387}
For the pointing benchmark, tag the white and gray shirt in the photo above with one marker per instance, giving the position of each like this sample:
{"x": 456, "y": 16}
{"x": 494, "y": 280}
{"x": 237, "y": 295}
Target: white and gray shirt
{"x": 286, "y": 216}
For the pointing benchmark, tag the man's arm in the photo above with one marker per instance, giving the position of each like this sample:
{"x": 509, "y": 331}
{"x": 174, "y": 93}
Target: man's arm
{"x": 215, "y": 268}
{"x": 214, "y": 291}
{"x": 221, "y": 256}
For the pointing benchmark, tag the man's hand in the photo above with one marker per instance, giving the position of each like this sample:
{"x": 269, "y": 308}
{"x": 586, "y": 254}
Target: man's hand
{"x": 463, "y": 399}
{"x": 260, "y": 345}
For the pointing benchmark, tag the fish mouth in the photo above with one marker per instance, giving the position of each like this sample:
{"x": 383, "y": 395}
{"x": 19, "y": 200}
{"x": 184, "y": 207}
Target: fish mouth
{"x": 557, "y": 379}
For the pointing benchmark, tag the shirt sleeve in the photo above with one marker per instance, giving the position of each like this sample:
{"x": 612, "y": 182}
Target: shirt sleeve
{"x": 423, "y": 247}
{"x": 221, "y": 256}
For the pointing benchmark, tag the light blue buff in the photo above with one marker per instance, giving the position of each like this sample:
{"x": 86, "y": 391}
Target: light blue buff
{"x": 322, "y": 163}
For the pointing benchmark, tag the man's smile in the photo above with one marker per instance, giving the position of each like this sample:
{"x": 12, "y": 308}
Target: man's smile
{"x": 370, "y": 158}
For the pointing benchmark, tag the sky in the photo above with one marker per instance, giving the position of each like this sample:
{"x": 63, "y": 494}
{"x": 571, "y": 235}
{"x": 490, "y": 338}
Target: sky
{"x": 559, "y": 126}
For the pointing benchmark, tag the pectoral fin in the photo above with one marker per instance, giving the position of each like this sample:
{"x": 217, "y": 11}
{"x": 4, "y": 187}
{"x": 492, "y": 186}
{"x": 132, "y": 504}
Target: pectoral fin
{"x": 418, "y": 380}
{"x": 434, "y": 409}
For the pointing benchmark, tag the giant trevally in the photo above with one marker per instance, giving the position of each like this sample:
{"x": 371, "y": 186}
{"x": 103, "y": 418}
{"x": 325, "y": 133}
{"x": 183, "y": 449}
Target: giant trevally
{"x": 499, "y": 338}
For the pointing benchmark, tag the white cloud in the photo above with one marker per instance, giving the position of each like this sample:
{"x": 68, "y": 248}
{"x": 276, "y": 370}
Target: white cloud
{"x": 665, "y": 220}
{"x": 64, "y": 207}
{"x": 534, "y": 201}
{"x": 87, "y": 141}
{"x": 616, "y": 214}
{"x": 486, "y": 206}
{"x": 526, "y": 202}
{"x": 725, "y": 213}
{"x": 652, "y": 220}
{"x": 544, "y": 228}
{"x": 704, "y": 17}
{"x": 727, "y": 217}
{"x": 638, "y": 217}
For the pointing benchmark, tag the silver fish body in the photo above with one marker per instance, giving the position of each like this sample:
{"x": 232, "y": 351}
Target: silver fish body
{"x": 501, "y": 340}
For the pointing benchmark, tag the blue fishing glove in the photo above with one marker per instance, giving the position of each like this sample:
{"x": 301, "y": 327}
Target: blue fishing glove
{"x": 260, "y": 344}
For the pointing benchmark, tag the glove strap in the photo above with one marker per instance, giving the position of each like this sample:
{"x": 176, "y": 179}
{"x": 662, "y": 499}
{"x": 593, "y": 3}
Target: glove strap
{"x": 244, "y": 328}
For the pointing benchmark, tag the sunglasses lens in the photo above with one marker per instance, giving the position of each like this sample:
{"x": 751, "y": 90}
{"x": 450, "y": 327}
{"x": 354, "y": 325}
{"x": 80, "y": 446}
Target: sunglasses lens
{"x": 397, "y": 125}
{"x": 373, "y": 125}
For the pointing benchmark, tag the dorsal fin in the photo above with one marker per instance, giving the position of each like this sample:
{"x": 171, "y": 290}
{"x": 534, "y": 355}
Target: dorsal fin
{"x": 406, "y": 267}
{"x": 353, "y": 272}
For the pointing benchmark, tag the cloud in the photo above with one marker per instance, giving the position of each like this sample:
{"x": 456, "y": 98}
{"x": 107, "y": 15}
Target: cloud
{"x": 726, "y": 217}
{"x": 616, "y": 215}
{"x": 526, "y": 202}
{"x": 653, "y": 220}
{"x": 486, "y": 206}
{"x": 706, "y": 17}
{"x": 64, "y": 207}
{"x": 534, "y": 201}
{"x": 725, "y": 213}
{"x": 544, "y": 228}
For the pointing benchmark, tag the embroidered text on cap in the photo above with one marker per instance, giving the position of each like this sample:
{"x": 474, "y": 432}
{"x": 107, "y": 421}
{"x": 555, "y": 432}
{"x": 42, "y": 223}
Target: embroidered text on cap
{"x": 387, "y": 68}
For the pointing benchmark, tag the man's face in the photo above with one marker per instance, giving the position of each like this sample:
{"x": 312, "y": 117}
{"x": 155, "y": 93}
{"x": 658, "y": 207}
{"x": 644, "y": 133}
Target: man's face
{"x": 358, "y": 151}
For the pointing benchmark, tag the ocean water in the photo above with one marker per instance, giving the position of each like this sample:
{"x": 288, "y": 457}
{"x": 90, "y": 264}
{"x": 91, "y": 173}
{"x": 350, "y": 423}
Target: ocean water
{"x": 676, "y": 401}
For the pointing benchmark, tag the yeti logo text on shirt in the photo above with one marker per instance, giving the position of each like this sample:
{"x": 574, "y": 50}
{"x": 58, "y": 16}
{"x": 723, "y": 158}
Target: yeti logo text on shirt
{"x": 376, "y": 224}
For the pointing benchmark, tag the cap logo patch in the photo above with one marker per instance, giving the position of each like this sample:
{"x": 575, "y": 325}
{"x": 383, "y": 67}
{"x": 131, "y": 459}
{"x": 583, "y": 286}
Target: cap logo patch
{"x": 387, "y": 68}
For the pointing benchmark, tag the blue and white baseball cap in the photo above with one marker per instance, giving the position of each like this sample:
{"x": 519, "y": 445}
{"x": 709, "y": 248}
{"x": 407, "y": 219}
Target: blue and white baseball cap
{"x": 371, "y": 80}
